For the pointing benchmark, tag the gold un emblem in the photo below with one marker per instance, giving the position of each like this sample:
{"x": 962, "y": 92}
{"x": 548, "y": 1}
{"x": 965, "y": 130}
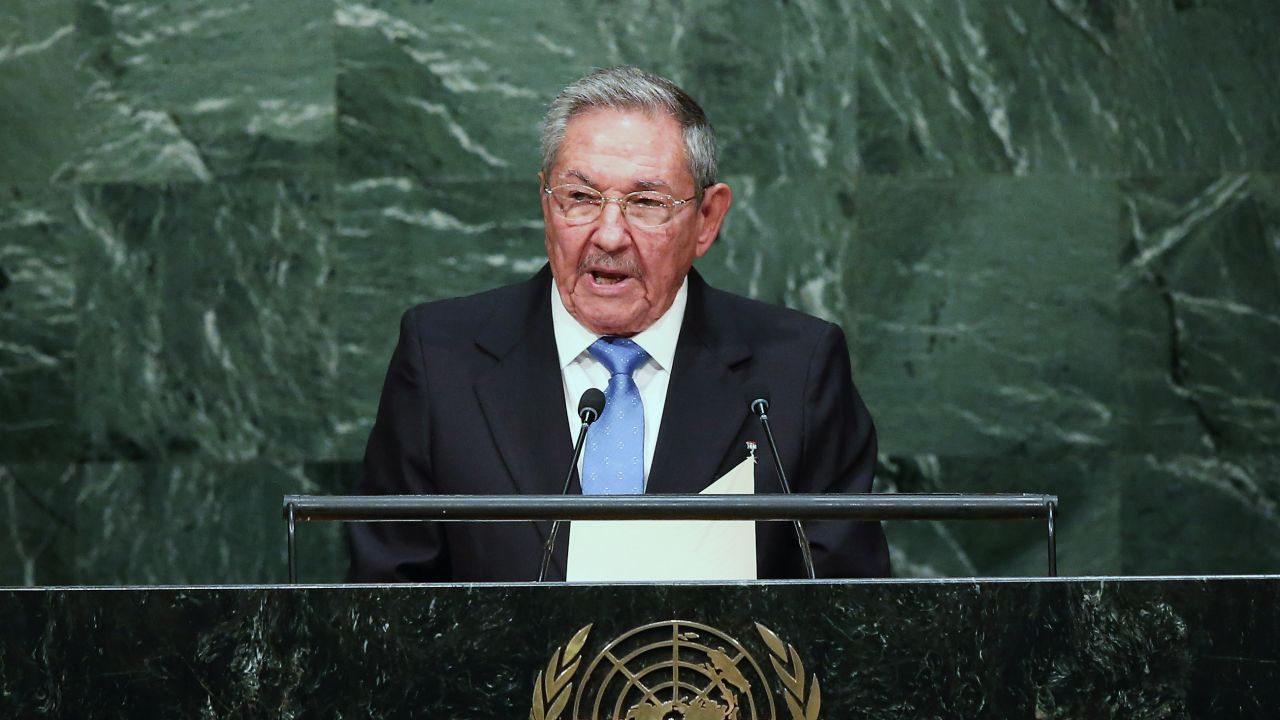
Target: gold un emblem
{"x": 674, "y": 670}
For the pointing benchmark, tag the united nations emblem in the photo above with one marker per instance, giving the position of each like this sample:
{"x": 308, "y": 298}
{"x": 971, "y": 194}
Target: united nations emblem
{"x": 673, "y": 670}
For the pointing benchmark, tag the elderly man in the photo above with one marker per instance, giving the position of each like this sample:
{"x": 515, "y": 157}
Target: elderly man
{"x": 482, "y": 391}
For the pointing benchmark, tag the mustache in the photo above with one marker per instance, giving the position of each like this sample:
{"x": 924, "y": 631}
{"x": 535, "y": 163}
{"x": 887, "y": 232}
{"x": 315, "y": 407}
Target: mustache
{"x": 610, "y": 263}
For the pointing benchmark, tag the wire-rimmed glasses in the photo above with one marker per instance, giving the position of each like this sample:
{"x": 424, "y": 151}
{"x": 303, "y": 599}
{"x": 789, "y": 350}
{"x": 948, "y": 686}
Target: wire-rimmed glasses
{"x": 579, "y": 205}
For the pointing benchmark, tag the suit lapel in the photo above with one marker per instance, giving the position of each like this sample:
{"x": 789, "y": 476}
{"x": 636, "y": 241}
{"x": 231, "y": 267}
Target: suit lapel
{"x": 705, "y": 407}
{"x": 524, "y": 385}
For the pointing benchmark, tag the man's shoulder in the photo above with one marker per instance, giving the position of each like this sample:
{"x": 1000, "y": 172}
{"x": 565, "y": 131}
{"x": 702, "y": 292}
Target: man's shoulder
{"x": 756, "y": 317}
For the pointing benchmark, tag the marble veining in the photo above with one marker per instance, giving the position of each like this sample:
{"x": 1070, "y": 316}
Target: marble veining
{"x": 1050, "y": 231}
{"x": 1173, "y": 648}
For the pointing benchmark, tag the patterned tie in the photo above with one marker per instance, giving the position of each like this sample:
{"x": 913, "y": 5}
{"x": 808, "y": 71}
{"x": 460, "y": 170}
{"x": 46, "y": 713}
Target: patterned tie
{"x": 614, "y": 462}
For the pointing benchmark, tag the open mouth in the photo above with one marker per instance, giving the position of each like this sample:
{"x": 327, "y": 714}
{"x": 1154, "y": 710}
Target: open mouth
{"x": 602, "y": 277}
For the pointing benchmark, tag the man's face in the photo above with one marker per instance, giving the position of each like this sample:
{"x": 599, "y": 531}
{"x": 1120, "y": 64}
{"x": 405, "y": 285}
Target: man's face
{"x": 616, "y": 277}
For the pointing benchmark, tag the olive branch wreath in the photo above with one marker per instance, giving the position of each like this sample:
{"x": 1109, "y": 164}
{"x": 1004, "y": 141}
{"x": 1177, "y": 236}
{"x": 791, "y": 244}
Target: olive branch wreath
{"x": 552, "y": 688}
{"x": 792, "y": 676}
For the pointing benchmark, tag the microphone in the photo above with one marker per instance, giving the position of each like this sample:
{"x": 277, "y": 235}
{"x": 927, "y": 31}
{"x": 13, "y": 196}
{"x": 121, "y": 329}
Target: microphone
{"x": 590, "y": 406}
{"x": 758, "y": 398}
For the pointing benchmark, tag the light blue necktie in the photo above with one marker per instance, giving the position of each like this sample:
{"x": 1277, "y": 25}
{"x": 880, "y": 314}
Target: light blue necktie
{"x": 614, "y": 462}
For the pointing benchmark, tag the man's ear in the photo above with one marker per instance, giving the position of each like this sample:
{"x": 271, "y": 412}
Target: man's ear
{"x": 716, "y": 200}
{"x": 542, "y": 196}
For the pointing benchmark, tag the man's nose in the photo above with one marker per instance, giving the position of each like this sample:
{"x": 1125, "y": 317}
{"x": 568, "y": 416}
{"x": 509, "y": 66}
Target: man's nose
{"x": 612, "y": 232}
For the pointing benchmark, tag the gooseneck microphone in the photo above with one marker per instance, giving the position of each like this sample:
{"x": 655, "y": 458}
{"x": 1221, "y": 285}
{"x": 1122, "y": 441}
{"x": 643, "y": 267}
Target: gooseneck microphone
{"x": 758, "y": 397}
{"x": 590, "y": 406}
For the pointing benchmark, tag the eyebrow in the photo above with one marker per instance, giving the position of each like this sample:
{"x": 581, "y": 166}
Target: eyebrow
{"x": 650, "y": 184}
{"x": 641, "y": 184}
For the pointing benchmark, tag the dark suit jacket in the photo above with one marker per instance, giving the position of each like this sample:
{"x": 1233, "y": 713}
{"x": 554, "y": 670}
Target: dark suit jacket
{"x": 474, "y": 404}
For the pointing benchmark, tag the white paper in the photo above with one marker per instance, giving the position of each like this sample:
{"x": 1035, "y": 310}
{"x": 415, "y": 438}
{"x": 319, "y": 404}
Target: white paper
{"x": 664, "y": 550}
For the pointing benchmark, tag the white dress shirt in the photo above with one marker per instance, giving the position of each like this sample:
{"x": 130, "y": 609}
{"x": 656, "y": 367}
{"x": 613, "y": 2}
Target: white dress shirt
{"x": 580, "y": 370}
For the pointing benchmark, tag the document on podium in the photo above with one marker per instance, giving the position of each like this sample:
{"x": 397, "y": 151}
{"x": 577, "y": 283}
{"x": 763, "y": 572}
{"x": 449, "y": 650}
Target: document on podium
{"x": 664, "y": 550}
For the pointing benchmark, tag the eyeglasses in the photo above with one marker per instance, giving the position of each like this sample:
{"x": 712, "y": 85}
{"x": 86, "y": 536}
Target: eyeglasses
{"x": 579, "y": 205}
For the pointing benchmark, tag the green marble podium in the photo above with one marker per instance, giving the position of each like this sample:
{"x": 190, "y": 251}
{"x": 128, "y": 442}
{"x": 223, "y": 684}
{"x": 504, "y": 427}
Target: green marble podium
{"x": 1194, "y": 647}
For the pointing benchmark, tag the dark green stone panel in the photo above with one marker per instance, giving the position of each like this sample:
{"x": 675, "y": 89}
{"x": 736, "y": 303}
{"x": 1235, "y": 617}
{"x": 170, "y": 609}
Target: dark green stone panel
{"x": 38, "y": 505}
{"x": 202, "y": 327}
{"x": 148, "y": 92}
{"x": 956, "y": 86}
{"x": 1200, "y": 91}
{"x": 1200, "y": 293}
{"x": 42, "y": 118}
{"x": 203, "y": 89}
{"x": 192, "y": 522}
{"x": 455, "y": 90}
{"x": 1188, "y": 512}
{"x": 963, "y": 86}
{"x": 198, "y": 522}
{"x": 786, "y": 241}
{"x": 984, "y": 314}
{"x": 40, "y": 238}
{"x": 449, "y": 90}
{"x": 1088, "y": 524}
{"x": 1023, "y": 215}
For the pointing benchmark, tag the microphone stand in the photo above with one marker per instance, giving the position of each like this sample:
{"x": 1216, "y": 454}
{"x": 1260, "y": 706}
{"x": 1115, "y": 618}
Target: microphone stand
{"x": 760, "y": 407}
{"x": 588, "y": 416}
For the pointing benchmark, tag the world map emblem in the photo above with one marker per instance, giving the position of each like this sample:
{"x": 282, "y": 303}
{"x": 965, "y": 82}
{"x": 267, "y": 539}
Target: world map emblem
{"x": 675, "y": 670}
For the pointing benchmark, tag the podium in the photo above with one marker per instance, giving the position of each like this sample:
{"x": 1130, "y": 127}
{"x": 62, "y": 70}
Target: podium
{"x": 1178, "y": 647}
{"x": 1202, "y": 647}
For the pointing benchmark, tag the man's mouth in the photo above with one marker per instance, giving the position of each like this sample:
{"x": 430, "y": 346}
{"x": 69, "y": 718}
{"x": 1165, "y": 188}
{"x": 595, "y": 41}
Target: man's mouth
{"x": 602, "y": 277}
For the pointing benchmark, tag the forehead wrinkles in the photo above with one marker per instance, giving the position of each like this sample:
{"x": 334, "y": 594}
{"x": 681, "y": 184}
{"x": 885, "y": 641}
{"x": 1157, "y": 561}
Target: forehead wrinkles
{"x": 639, "y": 184}
{"x": 632, "y": 147}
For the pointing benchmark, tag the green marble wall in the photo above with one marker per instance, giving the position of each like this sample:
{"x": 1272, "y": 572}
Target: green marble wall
{"x": 1051, "y": 229}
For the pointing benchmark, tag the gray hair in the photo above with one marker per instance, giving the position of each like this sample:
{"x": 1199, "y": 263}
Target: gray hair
{"x": 628, "y": 88}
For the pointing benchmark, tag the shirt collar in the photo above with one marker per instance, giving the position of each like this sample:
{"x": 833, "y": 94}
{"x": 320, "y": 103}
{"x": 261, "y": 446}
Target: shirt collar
{"x": 659, "y": 339}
